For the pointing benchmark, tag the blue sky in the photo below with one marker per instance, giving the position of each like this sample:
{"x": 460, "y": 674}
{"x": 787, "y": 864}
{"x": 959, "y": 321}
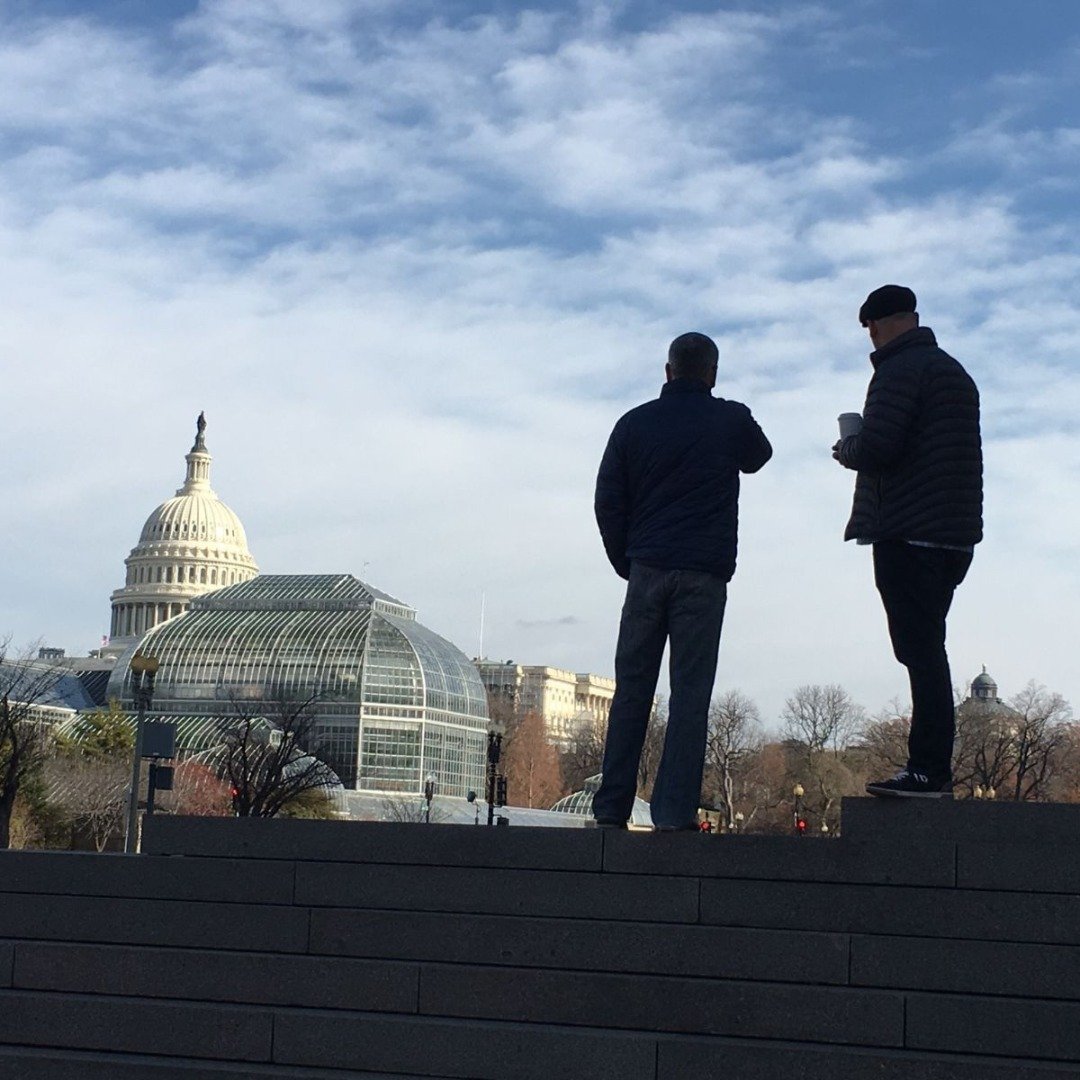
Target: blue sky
{"x": 415, "y": 259}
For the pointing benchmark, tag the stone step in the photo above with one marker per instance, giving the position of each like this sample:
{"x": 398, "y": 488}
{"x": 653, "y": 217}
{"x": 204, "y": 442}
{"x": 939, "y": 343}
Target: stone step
{"x": 137, "y": 877}
{"x": 375, "y": 842}
{"x": 27, "y": 1063}
{"x": 960, "y": 820}
{"x": 583, "y": 944}
{"x": 218, "y": 975}
{"x": 255, "y": 927}
{"x": 900, "y": 911}
{"x": 513, "y": 892}
{"x": 683, "y": 1059}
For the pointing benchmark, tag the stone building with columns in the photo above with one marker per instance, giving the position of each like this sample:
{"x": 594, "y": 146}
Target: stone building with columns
{"x": 568, "y": 701}
{"x": 191, "y": 544}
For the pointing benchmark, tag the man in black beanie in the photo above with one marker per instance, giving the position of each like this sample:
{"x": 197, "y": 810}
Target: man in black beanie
{"x": 918, "y": 501}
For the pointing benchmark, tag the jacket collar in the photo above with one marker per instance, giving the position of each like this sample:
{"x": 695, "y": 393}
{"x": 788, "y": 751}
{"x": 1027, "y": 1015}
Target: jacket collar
{"x": 920, "y": 336}
{"x": 684, "y": 386}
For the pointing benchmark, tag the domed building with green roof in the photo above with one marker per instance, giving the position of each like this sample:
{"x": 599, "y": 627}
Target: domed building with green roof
{"x": 393, "y": 702}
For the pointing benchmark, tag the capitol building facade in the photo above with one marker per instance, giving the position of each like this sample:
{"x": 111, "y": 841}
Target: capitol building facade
{"x": 392, "y": 702}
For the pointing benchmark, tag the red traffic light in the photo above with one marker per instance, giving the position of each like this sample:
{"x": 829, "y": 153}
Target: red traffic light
{"x": 800, "y": 825}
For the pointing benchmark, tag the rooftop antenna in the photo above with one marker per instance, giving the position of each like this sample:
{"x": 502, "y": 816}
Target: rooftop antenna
{"x": 483, "y": 598}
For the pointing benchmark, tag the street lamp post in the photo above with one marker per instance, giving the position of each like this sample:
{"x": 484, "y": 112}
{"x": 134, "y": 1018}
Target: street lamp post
{"x": 800, "y": 823}
{"x": 143, "y": 672}
{"x": 429, "y": 794}
{"x": 496, "y": 730}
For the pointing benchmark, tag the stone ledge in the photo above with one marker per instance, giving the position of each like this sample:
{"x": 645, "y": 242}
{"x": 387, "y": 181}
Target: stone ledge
{"x": 89, "y": 874}
{"x": 898, "y": 860}
{"x": 679, "y": 1059}
{"x": 95, "y": 919}
{"x": 835, "y": 1015}
{"x": 228, "y": 977}
{"x": 84, "y": 1022}
{"x": 27, "y": 1063}
{"x": 966, "y": 967}
{"x": 375, "y": 842}
{"x": 964, "y": 914}
{"x": 959, "y": 821}
{"x": 583, "y": 944}
{"x": 478, "y": 890}
{"x": 476, "y": 1050}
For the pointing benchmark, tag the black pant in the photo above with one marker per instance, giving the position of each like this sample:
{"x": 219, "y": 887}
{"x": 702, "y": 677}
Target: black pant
{"x": 685, "y": 607}
{"x": 917, "y": 586}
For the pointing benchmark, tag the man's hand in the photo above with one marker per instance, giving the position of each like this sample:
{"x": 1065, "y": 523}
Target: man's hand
{"x": 842, "y": 451}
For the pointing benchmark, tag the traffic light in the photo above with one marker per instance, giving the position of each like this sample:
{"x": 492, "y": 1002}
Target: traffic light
{"x": 800, "y": 826}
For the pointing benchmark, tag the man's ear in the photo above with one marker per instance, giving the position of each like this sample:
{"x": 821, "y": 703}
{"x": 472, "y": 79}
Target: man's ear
{"x": 667, "y": 371}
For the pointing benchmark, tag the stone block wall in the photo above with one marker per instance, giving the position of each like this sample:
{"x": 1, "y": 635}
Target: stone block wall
{"x": 930, "y": 942}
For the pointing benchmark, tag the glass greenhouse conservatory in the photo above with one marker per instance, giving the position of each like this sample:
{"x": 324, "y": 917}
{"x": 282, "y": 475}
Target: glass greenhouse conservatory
{"x": 395, "y": 702}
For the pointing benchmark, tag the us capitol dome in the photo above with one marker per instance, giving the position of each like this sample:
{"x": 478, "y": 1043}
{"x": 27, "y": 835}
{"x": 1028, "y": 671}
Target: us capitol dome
{"x": 190, "y": 545}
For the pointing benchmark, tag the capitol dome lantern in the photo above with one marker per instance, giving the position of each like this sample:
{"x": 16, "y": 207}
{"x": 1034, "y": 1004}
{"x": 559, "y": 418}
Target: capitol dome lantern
{"x": 190, "y": 545}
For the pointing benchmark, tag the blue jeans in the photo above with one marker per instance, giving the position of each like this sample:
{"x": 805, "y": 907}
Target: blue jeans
{"x": 687, "y": 607}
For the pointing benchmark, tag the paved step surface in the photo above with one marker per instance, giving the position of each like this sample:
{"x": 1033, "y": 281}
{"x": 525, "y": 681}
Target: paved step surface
{"x": 928, "y": 942}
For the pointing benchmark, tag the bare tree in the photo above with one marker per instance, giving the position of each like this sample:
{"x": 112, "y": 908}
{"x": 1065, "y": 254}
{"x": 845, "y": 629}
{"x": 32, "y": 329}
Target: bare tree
{"x": 820, "y": 717}
{"x": 583, "y": 756}
{"x": 268, "y": 755}
{"x": 531, "y": 764}
{"x": 764, "y": 789}
{"x": 883, "y": 740}
{"x": 1039, "y": 734}
{"x": 984, "y": 752}
{"x": 734, "y": 736}
{"x": 92, "y": 792}
{"x": 406, "y": 808}
{"x": 25, "y": 686}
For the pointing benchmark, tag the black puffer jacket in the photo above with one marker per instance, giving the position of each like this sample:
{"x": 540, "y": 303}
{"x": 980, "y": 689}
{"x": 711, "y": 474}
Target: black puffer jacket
{"x": 668, "y": 489}
{"x": 919, "y": 454}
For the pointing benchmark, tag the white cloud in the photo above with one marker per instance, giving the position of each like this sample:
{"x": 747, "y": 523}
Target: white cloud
{"x": 413, "y": 272}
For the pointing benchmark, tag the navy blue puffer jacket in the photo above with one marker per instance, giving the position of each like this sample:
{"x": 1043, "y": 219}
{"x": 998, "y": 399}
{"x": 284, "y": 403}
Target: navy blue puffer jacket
{"x": 668, "y": 489}
{"x": 919, "y": 454}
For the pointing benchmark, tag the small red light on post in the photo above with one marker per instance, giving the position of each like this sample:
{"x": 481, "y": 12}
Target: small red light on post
{"x": 800, "y": 826}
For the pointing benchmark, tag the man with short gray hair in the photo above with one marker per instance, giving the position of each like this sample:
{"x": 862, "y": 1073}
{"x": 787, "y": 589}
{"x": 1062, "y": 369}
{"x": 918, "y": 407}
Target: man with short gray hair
{"x": 667, "y": 498}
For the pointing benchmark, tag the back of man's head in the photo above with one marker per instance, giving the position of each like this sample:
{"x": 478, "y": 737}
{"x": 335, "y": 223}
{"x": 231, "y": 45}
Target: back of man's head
{"x": 693, "y": 356}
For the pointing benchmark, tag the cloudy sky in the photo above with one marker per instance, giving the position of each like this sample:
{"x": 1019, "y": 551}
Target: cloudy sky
{"x": 415, "y": 258}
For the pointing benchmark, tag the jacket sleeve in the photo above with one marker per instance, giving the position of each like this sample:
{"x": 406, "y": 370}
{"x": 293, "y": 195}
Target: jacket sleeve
{"x": 612, "y": 503}
{"x": 892, "y": 407}
{"x": 756, "y": 448}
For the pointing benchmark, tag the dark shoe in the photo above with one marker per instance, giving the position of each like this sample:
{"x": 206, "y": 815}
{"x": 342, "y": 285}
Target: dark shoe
{"x": 610, "y": 824}
{"x": 911, "y": 785}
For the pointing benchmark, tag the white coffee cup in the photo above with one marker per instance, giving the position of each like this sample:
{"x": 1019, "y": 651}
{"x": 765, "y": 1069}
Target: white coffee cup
{"x": 850, "y": 424}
